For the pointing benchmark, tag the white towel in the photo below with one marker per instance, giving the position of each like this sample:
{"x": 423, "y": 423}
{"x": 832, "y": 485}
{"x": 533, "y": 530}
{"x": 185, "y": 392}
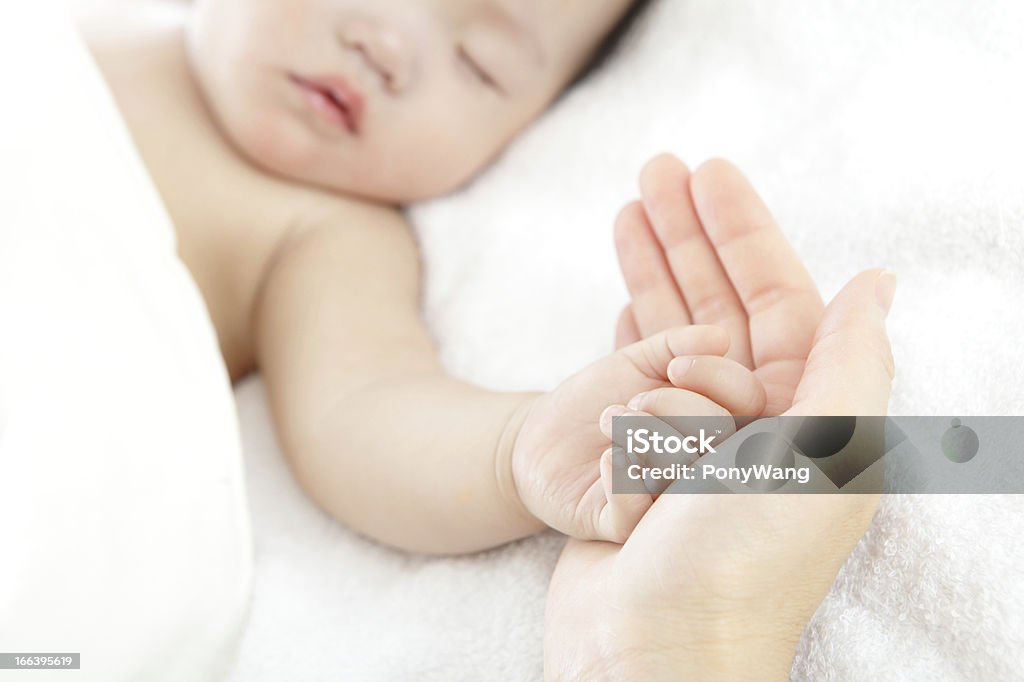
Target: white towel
{"x": 880, "y": 133}
{"x": 123, "y": 521}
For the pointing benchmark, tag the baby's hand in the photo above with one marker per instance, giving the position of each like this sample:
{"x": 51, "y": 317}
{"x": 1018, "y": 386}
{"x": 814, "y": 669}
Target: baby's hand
{"x": 555, "y": 460}
{"x": 704, "y": 385}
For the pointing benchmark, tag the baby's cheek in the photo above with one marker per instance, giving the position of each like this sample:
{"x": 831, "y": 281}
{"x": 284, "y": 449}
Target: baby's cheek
{"x": 453, "y": 166}
{"x": 273, "y": 142}
{"x": 424, "y": 172}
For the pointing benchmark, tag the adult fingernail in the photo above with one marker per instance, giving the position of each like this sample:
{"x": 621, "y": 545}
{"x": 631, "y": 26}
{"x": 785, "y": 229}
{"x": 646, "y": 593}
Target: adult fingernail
{"x": 678, "y": 368}
{"x": 634, "y": 403}
{"x": 885, "y": 289}
{"x": 610, "y": 413}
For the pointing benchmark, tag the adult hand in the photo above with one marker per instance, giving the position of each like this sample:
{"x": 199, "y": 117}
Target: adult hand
{"x": 704, "y": 249}
{"x": 721, "y": 586}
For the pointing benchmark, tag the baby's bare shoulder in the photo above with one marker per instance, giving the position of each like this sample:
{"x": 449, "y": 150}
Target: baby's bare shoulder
{"x": 362, "y": 238}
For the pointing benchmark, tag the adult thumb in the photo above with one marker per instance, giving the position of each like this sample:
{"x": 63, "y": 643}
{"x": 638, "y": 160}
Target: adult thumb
{"x": 850, "y": 367}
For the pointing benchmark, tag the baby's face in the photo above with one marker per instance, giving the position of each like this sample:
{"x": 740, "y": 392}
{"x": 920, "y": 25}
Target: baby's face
{"x": 395, "y": 100}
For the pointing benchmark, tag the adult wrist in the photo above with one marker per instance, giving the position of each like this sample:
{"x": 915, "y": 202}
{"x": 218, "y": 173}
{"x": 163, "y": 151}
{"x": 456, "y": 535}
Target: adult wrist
{"x": 727, "y": 647}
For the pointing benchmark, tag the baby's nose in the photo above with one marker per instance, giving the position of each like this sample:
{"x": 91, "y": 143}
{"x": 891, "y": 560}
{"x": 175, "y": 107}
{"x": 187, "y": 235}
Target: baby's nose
{"x": 386, "y": 49}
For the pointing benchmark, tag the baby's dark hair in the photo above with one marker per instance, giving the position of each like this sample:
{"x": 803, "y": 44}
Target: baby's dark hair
{"x": 611, "y": 41}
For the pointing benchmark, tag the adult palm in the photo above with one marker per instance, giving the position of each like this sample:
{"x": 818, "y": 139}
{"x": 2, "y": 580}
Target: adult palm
{"x": 704, "y": 249}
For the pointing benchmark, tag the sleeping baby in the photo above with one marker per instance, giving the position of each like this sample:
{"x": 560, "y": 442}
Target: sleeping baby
{"x": 285, "y": 138}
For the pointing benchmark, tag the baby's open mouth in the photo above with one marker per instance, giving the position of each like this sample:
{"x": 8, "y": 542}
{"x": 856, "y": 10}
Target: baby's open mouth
{"x": 334, "y": 99}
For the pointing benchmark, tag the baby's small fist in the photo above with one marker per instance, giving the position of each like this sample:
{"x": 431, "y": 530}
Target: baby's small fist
{"x": 705, "y": 385}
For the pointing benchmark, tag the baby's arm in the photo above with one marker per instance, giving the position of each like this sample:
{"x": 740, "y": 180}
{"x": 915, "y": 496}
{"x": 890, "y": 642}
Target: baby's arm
{"x": 384, "y": 440}
{"x": 375, "y": 432}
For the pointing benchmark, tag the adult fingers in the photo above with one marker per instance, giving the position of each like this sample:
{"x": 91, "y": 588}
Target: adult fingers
{"x": 709, "y": 294}
{"x": 850, "y": 368}
{"x": 626, "y": 331}
{"x": 780, "y": 299}
{"x": 656, "y": 301}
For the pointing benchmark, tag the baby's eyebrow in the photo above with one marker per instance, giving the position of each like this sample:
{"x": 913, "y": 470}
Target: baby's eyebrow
{"x": 519, "y": 30}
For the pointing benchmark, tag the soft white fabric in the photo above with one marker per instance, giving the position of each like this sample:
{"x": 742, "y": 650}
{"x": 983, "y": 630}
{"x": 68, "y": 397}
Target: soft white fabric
{"x": 124, "y": 529}
{"x": 881, "y": 133}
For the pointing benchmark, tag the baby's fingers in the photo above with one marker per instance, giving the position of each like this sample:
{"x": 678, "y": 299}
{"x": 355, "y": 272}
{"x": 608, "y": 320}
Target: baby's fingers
{"x": 676, "y": 402}
{"x": 652, "y": 355}
{"x": 721, "y": 380}
{"x": 622, "y": 511}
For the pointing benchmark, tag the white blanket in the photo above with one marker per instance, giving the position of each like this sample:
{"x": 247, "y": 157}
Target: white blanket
{"x": 123, "y": 521}
{"x": 881, "y": 133}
